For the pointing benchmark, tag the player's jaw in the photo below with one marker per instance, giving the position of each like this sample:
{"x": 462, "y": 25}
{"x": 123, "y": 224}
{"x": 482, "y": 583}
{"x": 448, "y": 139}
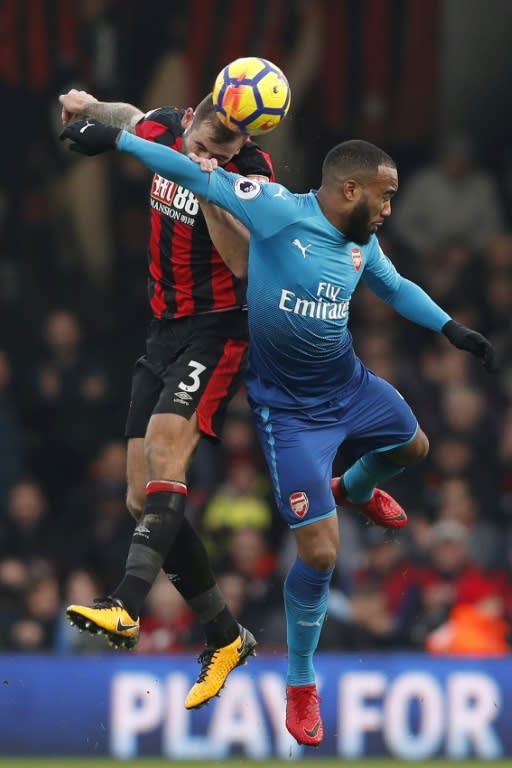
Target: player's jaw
{"x": 360, "y": 225}
{"x": 363, "y": 222}
{"x": 375, "y": 225}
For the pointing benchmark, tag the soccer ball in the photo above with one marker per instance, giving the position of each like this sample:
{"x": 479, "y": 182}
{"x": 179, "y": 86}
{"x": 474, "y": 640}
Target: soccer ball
{"x": 251, "y": 95}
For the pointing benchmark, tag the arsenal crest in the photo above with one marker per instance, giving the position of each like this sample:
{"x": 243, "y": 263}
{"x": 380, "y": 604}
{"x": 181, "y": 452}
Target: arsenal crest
{"x": 357, "y": 259}
{"x": 299, "y": 503}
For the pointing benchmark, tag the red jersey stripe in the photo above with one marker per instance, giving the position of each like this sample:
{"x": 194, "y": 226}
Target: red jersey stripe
{"x": 158, "y": 304}
{"x": 219, "y": 384}
{"x": 150, "y": 130}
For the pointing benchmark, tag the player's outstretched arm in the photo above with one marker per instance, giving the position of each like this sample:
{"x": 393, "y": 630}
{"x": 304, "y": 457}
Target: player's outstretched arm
{"x": 411, "y": 301}
{"x": 252, "y": 203}
{"x": 77, "y": 103}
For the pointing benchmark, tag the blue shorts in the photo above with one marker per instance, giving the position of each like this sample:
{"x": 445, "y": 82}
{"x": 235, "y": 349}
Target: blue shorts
{"x": 300, "y": 446}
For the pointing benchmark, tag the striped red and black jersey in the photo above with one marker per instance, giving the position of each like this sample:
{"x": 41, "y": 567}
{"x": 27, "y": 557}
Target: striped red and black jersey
{"x": 186, "y": 274}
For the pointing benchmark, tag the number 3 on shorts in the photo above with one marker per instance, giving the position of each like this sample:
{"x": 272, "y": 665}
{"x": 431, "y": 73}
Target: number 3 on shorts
{"x": 197, "y": 369}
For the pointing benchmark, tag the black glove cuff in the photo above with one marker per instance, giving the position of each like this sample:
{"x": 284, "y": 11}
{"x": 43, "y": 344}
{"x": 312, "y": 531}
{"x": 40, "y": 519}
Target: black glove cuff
{"x": 448, "y": 328}
{"x": 113, "y": 133}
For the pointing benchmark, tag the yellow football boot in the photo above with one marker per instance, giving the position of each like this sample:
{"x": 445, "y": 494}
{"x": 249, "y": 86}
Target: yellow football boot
{"x": 216, "y": 664}
{"x": 109, "y": 617}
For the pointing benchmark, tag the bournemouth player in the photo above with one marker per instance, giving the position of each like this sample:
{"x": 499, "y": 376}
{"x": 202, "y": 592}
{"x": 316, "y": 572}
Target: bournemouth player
{"x": 194, "y": 363}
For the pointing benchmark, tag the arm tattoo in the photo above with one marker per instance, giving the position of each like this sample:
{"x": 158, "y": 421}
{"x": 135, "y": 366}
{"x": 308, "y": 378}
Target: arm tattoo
{"x": 118, "y": 114}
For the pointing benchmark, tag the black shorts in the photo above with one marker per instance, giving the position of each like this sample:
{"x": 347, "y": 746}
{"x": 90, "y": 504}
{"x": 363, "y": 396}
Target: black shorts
{"x": 193, "y": 364}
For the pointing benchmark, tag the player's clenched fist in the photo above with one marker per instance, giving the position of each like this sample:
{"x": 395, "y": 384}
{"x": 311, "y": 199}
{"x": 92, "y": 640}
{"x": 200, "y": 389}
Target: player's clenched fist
{"x": 74, "y": 103}
{"x": 90, "y": 137}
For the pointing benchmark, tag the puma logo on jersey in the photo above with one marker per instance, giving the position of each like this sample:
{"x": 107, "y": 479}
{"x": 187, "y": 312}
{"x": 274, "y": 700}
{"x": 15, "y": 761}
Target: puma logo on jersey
{"x": 302, "y": 248}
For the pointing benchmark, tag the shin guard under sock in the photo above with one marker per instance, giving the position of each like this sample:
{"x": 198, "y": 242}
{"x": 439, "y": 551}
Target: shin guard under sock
{"x": 306, "y": 592}
{"x": 188, "y": 568}
{"x": 164, "y": 513}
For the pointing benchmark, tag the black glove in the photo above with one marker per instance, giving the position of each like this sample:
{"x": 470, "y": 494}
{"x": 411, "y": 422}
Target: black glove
{"x": 90, "y": 137}
{"x": 464, "y": 338}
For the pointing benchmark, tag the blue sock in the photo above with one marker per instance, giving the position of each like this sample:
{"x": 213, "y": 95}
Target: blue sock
{"x": 306, "y": 592}
{"x": 367, "y": 472}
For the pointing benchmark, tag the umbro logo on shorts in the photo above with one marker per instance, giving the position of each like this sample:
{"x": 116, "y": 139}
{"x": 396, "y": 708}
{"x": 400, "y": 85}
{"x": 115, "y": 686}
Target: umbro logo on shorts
{"x": 183, "y": 396}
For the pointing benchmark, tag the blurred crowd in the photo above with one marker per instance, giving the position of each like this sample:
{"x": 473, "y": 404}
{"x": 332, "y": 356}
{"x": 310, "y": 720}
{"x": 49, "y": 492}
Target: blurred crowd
{"x": 73, "y": 319}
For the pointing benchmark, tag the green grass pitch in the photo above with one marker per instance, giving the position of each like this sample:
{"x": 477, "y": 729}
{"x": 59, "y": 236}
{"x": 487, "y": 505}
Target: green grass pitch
{"x": 100, "y": 762}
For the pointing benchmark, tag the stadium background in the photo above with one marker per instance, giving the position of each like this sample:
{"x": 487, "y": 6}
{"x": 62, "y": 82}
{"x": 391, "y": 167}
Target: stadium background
{"x": 426, "y": 81}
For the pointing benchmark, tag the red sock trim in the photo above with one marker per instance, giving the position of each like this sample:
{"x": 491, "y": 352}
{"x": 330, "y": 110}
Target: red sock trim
{"x": 166, "y": 486}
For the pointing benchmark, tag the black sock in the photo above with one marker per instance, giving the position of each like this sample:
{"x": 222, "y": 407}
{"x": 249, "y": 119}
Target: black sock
{"x": 187, "y": 564}
{"x": 132, "y": 591}
{"x": 154, "y": 535}
{"x": 189, "y": 569}
{"x": 221, "y": 630}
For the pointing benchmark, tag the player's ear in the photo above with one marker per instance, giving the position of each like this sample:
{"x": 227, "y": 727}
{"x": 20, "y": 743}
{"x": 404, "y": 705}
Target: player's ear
{"x": 187, "y": 118}
{"x": 350, "y": 189}
{"x": 239, "y": 149}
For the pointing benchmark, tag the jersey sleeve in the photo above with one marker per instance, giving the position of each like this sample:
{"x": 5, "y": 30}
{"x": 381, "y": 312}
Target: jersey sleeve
{"x": 252, "y": 161}
{"x": 164, "y": 121}
{"x": 259, "y": 206}
{"x": 406, "y": 297}
{"x": 379, "y": 273}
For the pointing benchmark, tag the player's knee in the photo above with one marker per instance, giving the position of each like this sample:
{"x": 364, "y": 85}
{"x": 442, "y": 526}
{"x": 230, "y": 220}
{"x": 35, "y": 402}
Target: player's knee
{"x": 321, "y": 557}
{"x": 412, "y": 452}
{"x": 419, "y": 447}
